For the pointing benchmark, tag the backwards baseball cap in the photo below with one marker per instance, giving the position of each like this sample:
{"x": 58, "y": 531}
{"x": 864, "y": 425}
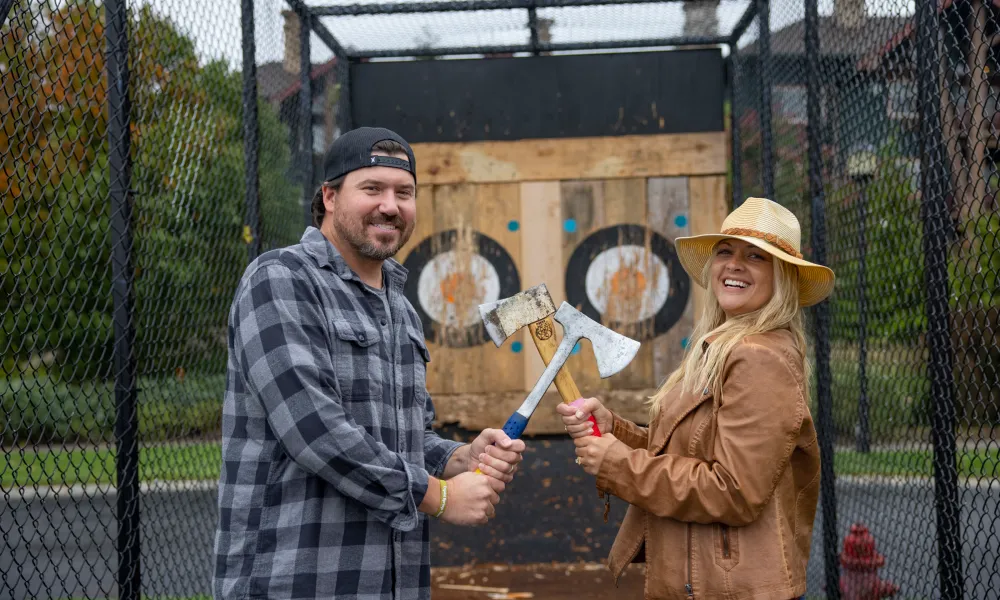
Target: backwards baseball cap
{"x": 353, "y": 150}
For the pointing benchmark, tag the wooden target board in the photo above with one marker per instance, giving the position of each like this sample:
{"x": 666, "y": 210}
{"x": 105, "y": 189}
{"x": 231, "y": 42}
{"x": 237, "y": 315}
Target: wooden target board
{"x": 593, "y": 219}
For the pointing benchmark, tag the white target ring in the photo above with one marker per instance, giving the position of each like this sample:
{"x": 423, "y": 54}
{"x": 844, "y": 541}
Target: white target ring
{"x": 451, "y": 287}
{"x": 631, "y": 272}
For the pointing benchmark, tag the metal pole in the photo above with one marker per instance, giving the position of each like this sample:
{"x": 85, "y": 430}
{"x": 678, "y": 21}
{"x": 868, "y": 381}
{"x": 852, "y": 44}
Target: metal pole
{"x": 743, "y": 24}
{"x": 410, "y": 7}
{"x": 5, "y": 6}
{"x": 767, "y": 147}
{"x": 821, "y": 313}
{"x": 533, "y": 28}
{"x": 345, "y": 116}
{"x": 547, "y": 47}
{"x": 863, "y": 442}
{"x": 305, "y": 112}
{"x": 934, "y": 214}
{"x": 734, "y": 126}
{"x": 251, "y": 139}
{"x": 122, "y": 290}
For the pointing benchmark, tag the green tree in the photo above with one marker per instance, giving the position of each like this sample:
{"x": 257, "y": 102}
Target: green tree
{"x": 188, "y": 203}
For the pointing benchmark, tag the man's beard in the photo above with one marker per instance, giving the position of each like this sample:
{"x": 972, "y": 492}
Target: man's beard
{"x": 356, "y": 234}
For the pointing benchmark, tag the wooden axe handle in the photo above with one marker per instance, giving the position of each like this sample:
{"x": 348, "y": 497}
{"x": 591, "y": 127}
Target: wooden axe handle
{"x": 544, "y": 335}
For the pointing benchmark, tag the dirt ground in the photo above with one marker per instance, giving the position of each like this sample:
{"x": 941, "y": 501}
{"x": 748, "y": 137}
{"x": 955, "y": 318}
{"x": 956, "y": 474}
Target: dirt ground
{"x": 555, "y": 581}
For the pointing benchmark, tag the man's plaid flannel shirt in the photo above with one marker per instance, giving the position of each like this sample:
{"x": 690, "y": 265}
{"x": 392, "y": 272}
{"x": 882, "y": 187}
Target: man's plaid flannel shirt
{"x": 327, "y": 441}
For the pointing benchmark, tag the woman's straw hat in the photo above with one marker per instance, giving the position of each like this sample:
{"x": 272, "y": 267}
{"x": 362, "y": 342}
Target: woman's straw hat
{"x": 772, "y": 228}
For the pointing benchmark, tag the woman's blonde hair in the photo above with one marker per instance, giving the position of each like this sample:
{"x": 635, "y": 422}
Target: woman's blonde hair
{"x": 702, "y": 367}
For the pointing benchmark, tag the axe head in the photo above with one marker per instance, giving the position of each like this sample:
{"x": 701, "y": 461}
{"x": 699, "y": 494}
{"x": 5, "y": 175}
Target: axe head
{"x": 612, "y": 350}
{"x": 505, "y": 316}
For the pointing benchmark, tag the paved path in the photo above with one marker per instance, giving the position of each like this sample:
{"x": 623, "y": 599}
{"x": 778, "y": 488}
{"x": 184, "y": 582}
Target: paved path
{"x": 61, "y": 546}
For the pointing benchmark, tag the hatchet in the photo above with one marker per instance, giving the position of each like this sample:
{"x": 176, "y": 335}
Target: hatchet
{"x": 534, "y": 308}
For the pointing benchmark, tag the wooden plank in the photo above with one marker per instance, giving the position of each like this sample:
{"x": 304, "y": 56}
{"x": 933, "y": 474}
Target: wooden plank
{"x": 625, "y": 204}
{"x": 424, "y": 225}
{"x": 455, "y": 369}
{"x": 669, "y": 215}
{"x": 541, "y": 223}
{"x": 498, "y": 215}
{"x": 709, "y": 207}
{"x": 554, "y": 159}
{"x": 582, "y": 213}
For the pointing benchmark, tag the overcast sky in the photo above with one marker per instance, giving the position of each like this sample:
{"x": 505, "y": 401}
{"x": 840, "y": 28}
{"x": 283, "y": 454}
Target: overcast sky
{"x": 215, "y": 24}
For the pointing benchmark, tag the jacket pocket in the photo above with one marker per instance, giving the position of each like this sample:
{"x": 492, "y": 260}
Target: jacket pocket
{"x": 727, "y": 547}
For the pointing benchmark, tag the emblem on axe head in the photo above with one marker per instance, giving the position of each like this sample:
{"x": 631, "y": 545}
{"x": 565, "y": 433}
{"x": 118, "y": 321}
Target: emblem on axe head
{"x": 534, "y": 308}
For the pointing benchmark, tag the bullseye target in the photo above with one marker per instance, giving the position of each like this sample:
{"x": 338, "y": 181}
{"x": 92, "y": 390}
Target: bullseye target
{"x": 629, "y": 278}
{"x": 450, "y": 274}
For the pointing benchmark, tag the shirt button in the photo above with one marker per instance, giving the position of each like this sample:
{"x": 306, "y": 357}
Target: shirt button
{"x": 383, "y": 322}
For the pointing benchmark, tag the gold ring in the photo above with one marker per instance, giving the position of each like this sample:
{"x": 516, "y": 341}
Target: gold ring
{"x": 577, "y": 460}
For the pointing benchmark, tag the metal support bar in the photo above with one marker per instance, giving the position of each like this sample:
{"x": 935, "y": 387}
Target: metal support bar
{"x": 545, "y": 47}
{"x": 123, "y": 296}
{"x": 321, "y": 31}
{"x": 821, "y": 313}
{"x": 345, "y": 114}
{"x": 934, "y": 214}
{"x": 863, "y": 441}
{"x": 251, "y": 134}
{"x": 391, "y": 8}
{"x": 743, "y": 24}
{"x": 765, "y": 66}
{"x": 305, "y": 113}
{"x": 734, "y": 127}
{"x": 5, "y": 6}
{"x": 533, "y": 28}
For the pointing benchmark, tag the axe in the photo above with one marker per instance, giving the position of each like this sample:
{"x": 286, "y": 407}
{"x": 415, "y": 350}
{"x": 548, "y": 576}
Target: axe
{"x": 534, "y": 308}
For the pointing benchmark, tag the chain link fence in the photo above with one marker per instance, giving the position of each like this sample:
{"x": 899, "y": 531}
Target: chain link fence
{"x": 902, "y": 174}
{"x": 122, "y": 243}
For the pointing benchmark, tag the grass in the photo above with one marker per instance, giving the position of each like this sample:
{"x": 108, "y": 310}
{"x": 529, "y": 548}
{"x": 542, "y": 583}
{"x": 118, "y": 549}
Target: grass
{"x": 183, "y": 462}
{"x": 178, "y": 462}
{"x": 978, "y": 464}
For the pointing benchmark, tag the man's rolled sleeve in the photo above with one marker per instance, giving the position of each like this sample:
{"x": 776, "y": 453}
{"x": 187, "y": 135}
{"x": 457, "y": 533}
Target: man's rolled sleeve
{"x": 286, "y": 360}
{"x": 437, "y": 450}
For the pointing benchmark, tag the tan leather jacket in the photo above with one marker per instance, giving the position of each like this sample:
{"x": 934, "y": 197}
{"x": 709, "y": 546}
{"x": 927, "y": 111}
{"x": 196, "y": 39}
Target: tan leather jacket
{"x": 722, "y": 491}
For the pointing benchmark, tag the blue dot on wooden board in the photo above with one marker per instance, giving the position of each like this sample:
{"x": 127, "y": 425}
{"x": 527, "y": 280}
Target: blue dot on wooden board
{"x": 569, "y": 225}
{"x": 515, "y": 347}
{"x": 576, "y": 348}
{"x": 680, "y": 220}
{"x": 513, "y": 225}
{"x": 684, "y": 342}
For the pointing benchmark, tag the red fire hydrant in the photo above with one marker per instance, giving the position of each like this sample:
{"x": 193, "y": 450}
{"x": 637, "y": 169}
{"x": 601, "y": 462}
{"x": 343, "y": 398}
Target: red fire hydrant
{"x": 860, "y": 563}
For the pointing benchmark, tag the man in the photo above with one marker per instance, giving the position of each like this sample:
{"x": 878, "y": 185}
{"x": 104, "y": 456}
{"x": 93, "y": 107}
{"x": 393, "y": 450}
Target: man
{"x": 330, "y": 467}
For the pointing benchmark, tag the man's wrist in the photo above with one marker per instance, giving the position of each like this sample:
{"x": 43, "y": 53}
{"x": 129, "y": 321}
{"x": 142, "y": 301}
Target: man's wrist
{"x": 432, "y": 499}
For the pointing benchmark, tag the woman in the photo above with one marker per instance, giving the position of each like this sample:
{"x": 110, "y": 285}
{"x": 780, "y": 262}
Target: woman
{"x": 724, "y": 482}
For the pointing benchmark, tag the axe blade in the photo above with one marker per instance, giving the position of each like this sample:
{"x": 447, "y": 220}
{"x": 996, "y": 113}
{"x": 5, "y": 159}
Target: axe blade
{"x": 612, "y": 350}
{"x": 504, "y": 317}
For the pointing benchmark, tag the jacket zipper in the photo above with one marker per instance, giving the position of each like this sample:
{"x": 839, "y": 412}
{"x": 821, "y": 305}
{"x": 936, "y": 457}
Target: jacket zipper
{"x": 725, "y": 541}
{"x": 687, "y": 586}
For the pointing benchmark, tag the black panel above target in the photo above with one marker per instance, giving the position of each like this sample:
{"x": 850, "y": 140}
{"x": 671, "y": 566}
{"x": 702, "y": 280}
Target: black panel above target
{"x": 629, "y": 278}
{"x": 630, "y": 93}
{"x": 450, "y": 274}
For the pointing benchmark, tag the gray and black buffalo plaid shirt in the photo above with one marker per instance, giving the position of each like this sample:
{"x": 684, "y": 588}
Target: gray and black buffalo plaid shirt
{"x": 327, "y": 441}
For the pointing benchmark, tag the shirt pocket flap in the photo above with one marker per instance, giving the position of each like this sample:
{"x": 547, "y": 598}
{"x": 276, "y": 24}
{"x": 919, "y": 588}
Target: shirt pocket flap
{"x": 419, "y": 343}
{"x": 356, "y": 333}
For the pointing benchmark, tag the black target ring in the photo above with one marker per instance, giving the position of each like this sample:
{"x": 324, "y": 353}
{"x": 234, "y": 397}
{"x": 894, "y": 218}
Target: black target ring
{"x": 621, "y": 235}
{"x": 446, "y": 241}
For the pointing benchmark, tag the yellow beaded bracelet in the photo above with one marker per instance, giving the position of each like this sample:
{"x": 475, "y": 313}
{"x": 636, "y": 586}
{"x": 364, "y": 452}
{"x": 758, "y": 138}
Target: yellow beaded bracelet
{"x": 444, "y": 498}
